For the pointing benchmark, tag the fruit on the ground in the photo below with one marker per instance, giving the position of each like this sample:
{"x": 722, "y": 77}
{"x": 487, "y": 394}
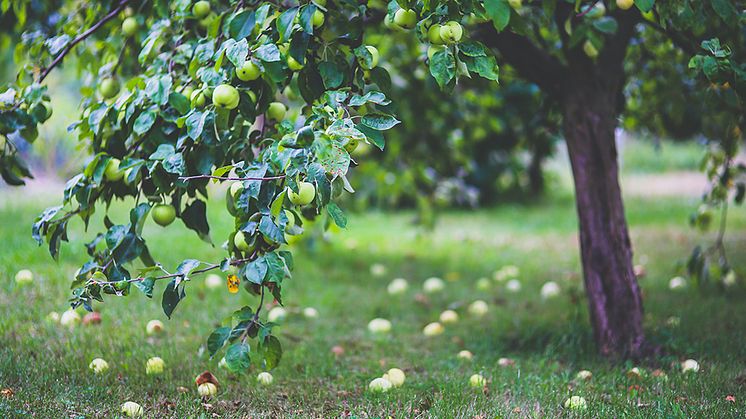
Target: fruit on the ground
{"x": 318, "y": 18}
{"x": 477, "y": 380}
{"x": 451, "y": 32}
{"x": 53, "y": 317}
{"x": 213, "y": 281}
{"x": 277, "y": 314}
{"x": 550, "y": 290}
{"x": 398, "y": 286}
{"x": 506, "y": 272}
{"x": 305, "y": 195}
{"x": 677, "y": 283}
{"x": 584, "y": 375}
{"x": 576, "y": 403}
{"x": 590, "y": 49}
{"x": 276, "y": 111}
{"x": 223, "y": 364}
{"x": 478, "y": 308}
{"x": 625, "y": 4}
{"x": 248, "y": 71}
{"x": 164, "y": 214}
{"x": 198, "y": 99}
{"x": 505, "y": 362}
{"x": 109, "y": 87}
{"x": 513, "y": 285}
{"x": 310, "y": 313}
{"x": 153, "y": 327}
{"x": 92, "y": 318}
{"x": 433, "y": 34}
{"x": 379, "y": 385}
{"x": 467, "y": 355}
{"x": 483, "y": 284}
{"x": 395, "y": 376}
{"x": 433, "y": 285}
{"x": 129, "y": 26}
{"x": 70, "y": 318}
{"x": 225, "y": 96}
{"x": 98, "y": 366}
{"x": 448, "y": 316}
{"x": 264, "y": 378}
{"x": 239, "y": 240}
{"x": 132, "y": 409}
{"x": 207, "y": 390}
{"x": 433, "y": 329}
{"x": 515, "y": 4}
{"x": 293, "y": 64}
{"x": 405, "y": 18}
{"x": 154, "y": 366}
{"x": 112, "y": 172}
{"x": 634, "y": 373}
{"x": 24, "y": 277}
{"x": 377, "y": 269}
{"x": 379, "y": 326}
{"x": 690, "y": 365}
{"x": 201, "y": 9}
{"x": 374, "y": 60}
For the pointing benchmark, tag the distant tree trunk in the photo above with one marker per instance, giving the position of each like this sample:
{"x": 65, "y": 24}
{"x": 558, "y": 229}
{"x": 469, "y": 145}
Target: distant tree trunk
{"x": 535, "y": 168}
{"x": 614, "y": 297}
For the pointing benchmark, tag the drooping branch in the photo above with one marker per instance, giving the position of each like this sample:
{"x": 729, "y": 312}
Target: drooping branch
{"x": 231, "y": 178}
{"x": 533, "y": 63}
{"x": 112, "y": 14}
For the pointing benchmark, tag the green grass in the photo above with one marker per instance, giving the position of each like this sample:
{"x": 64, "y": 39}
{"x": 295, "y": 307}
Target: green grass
{"x": 45, "y": 365}
{"x": 648, "y": 156}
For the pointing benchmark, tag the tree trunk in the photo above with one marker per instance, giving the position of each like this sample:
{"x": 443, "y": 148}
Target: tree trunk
{"x": 614, "y": 297}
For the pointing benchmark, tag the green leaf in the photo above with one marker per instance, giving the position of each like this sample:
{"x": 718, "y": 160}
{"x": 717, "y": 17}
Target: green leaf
{"x": 285, "y": 23}
{"x": 146, "y": 286}
{"x": 268, "y": 53}
{"x": 271, "y": 231}
{"x": 242, "y": 24}
{"x": 144, "y": 122}
{"x": 238, "y": 52}
{"x": 237, "y": 357}
{"x": 195, "y": 218}
{"x": 443, "y": 67}
{"x": 255, "y": 271}
{"x": 179, "y": 102}
{"x": 217, "y": 339}
{"x": 195, "y": 124}
{"x": 499, "y": 12}
{"x": 186, "y": 267}
{"x": 171, "y": 297}
{"x": 606, "y": 24}
{"x": 272, "y": 352}
{"x": 484, "y": 66}
{"x": 331, "y": 74}
{"x": 337, "y": 215}
{"x": 378, "y": 121}
{"x": 473, "y": 49}
{"x": 374, "y": 136}
{"x": 158, "y": 89}
{"x": 645, "y": 5}
{"x": 276, "y": 269}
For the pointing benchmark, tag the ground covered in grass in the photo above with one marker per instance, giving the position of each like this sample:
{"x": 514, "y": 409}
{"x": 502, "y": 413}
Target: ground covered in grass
{"x": 43, "y": 366}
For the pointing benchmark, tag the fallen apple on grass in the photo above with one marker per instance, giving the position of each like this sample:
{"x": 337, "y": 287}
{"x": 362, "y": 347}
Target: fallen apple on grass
{"x": 576, "y": 403}
{"x": 448, "y": 317}
{"x": 277, "y": 314}
{"x": 264, "y": 378}
{"x": 478, "y": 308}
{"x": 395, "y": 376}
{"x": 433, "y": 285}
{"x": 154, "y": 327}
{"x": 24, "y": 277}
{"x": 98, "y": 366}
{"x": 154, "y": 366}
{"x": 398, "y": 286}
{"x": 467, "y": 355}
{"x": 477, "y": 380}
{"x": 207, "y": 390}
{"x": 690, "y": 365}
{"x": 213, "y": 281}
{"x": 132, "y": 409}
{"x": 70, "y": 318}
{"x": 379, "y": 326}
{"x": 433, "y": 329}
{"x": 380, "y": 385}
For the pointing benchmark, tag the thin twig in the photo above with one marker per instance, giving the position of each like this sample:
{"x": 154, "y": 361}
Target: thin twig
{"x": 231, "y": 178}
{"x": 586, "y": 11}
{"x": 81, "y": 37}
{"x": 141, "y": 278}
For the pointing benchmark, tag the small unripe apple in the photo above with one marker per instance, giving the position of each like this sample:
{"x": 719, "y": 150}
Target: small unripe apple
{"x": 112, "y": 172}
{"x": 264, "y": 378}
{"x": 433, "y": 329}
{"x": 478, "y": 308}
{"x": 467, "y": 355}
{"x": 154, "y": 366}
{"x": 70, "y": 318}
{"x": 690, "y": 365}
{"x": 380, "y": 385}
{"x": 277, "y": 111}
{"x": 576, "y": 403}
{"x": 225, "y": 96}
{"x": 434, "y": 49}
{"x": 318, "y": 18}
{"x": 398, "y": 286}
{"x": 248, "y": 71}
{"x": 405, "y": 18}
{"x": 164, "y": 214}
{"x": 625, "y": 4}
{"x": 374, "y": 61}
{"x": 395, "y": 376}
{"x": 379, "y": 326}
{"x": 98, "y": 366}
{"x": 584, "y": 375}
{"x": 590, "y": 49}
{"x": 109, "y": 87}
{"x": 187, "y": 91}
{"x": 433, "y": 34}
{"x": 132, "y": 409}
{"x": 477, "y": 380}
{"x": 213, "y": 281}
{"x": 515, "y": 4}
{"x": 277, "y": 314}
{"x": 201, "y": 9}
{"x": 154, "y": 327}
{"x": 293, "y": 64}
{"x": 207, "y": 390}
{"x": 550, "y": 290}
{"x": 129, "y": 26}
{"x": 306, "y": 194}
{"x": 198, "y": 99}
{"x": 433, "y": 285}
{"x": 451, "y": 32}
{"x": 448, "y": 316}
{"x": 239, "y": 240}
{"x": 310, "y": 313}
{"x": 24, "y": 277}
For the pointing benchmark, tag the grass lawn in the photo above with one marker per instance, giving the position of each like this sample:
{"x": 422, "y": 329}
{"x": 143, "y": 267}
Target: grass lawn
{"x": 45, "y": 365}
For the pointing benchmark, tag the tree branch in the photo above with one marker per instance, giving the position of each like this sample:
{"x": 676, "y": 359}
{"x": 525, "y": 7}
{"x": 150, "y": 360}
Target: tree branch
{"x": 81, "y": 37}
{"x": 533, "y": 63}
{"x": 231, "y": 178}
